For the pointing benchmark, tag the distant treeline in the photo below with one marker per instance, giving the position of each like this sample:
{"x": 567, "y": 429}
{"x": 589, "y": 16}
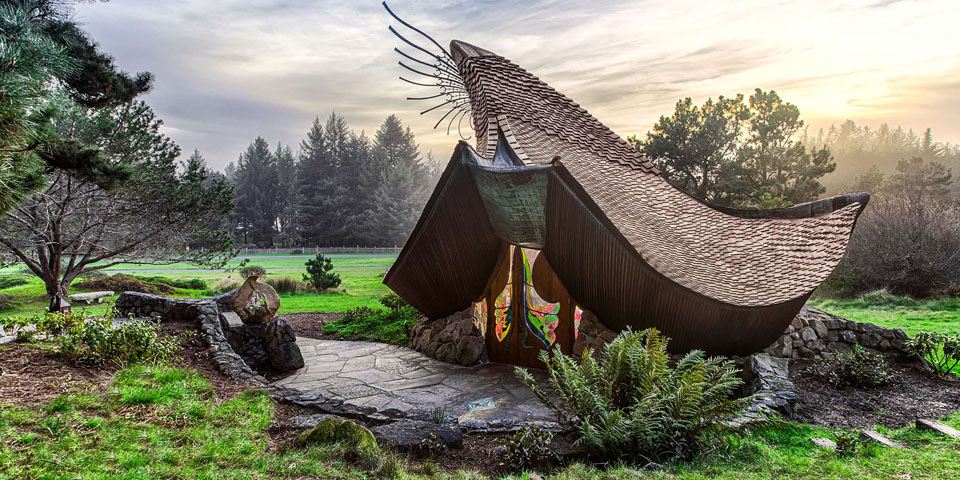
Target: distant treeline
{"x": 856, "y": 149}
{"x": 340, "y": 188}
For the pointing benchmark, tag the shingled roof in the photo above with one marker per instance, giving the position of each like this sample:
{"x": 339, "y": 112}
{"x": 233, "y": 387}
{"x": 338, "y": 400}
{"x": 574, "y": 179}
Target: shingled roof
{"x": 626, "y": 244}
{"x": 741, "y": 261}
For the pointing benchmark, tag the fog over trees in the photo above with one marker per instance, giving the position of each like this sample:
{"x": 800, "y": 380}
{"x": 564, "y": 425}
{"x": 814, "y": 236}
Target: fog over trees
{"x": 341, "y": 188}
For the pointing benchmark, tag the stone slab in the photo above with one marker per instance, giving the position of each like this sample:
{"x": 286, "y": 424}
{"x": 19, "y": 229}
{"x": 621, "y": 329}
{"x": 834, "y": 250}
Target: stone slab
{"x": 936, "y": 426}
{"x": 875, "y": 436}
{"x": 395, "y": 382}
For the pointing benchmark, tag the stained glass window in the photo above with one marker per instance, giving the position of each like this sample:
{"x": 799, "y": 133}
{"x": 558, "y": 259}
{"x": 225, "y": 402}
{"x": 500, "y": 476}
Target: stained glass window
{"x": 480, "y": 315}
{"x": 577, "y": 317}
{"x": 501, "y": 306}
{"x": 541, "y": 316}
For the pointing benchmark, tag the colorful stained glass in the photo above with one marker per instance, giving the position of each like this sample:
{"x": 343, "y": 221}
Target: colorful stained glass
{"x": 577, "y": 317}
{"x": 541, "y": 316}
{"x": 480, "y": 315}
{"x": 502, "y": 312}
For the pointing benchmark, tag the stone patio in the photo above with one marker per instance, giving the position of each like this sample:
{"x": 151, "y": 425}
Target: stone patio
{"x": 376, "y": 379}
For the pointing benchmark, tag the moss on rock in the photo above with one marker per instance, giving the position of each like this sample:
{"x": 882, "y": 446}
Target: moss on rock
{"x": 332, "y": 430}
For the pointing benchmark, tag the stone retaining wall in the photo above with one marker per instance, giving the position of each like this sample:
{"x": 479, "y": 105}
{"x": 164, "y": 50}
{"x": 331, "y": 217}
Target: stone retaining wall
{"x": 455, "y": 339}
{"x": 206, "y": 313}
{"x": 814, "y": 333}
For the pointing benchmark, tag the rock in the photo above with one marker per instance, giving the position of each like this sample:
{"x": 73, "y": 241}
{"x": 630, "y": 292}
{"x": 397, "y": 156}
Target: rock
{"x": 819, "y": 327}
{"x": 878, "y": 438}
{"x": 824, "y": 443}
{"x": 808, "y": 334}
{"x": 333, "y": 430}
{"x": 447, "y": 353}
{"x": 848, "y": 336}
{"x": 771, "y": 377}
{"x": 280, "y": 344}
{"x": 469, "y": 351}
{"x": 416, "y": 435}
{"x": 871, "y": 339}
{"x": 255, "y": 302}
{"x": 310, "y": 421}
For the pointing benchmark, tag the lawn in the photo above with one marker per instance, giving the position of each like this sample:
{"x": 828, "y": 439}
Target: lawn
{"x": 359, "y": 287}
{"x": 940, "y": 315}
{"x": 157, "y": 422}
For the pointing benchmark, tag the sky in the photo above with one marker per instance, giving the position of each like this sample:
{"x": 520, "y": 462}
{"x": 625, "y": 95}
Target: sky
{"x": 228, "y": 71}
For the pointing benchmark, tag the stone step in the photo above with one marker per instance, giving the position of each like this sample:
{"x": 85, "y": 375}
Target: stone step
{"x": 878, "y": 438}
{"x": 927, "y": 424}
{"x": 824, "y": 443}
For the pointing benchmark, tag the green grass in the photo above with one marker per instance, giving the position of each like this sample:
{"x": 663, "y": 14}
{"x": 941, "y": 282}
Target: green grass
{"x": 938, "y": 315}
{"x": 375, "y": 325}
{"x": 358, "y": 288}
{"x": 160, "y": 423}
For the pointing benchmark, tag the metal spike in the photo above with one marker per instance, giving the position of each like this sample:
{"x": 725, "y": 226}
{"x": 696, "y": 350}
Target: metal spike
{"x": 441, "y": 94}
{"x": 411, "y": 27}
{"x": 424, "y": 50}
{"x": 436, "y": 107}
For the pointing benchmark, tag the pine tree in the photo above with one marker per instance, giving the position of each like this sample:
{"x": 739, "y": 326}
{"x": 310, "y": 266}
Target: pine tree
{"x": 286, "y": 195}
{"x": 404, "y": 185}
{"x": 257, "y": 187}
{"x": 314, "y": 181}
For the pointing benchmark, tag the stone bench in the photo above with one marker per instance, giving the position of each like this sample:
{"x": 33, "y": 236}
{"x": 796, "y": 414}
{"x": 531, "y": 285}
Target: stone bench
{"x": 89, "y": 297}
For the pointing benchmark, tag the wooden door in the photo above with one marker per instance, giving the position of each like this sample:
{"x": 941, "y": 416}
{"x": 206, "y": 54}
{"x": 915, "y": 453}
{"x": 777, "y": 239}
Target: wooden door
{"x": 528, "y": 309}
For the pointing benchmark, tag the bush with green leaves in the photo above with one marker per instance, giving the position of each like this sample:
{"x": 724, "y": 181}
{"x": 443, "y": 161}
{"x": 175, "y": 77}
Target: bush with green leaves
{"x": 938, "y": 351}
{"x": 98, "y": 342}
{"x": 856, "y": 367}
{"x": 528, "y": 449}
{"x": 251, "y": 270}
{"x": 630, "y": 402}
{"x": 849, "y": 442}
{"x": 381, "y": 325}
{"x": 48, "y": 325}
{"x": 393, "y": 301}
{"x": 319, "y": 274}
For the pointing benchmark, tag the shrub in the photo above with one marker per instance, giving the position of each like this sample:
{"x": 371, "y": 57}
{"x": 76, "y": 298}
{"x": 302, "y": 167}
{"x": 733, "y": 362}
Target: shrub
{"x": 97, "y": 342}
{"x": 10, "y": 281}
{"x": 319, "y": 274}
{"x": 251, "y": 270}
{"x": 905, "y": 248}
{"x": 224, "y": 285}
{"x": 938, "y": 351}
{"x": 124, "y": 283}
{"x": 528, "y": 449}
{"x": 842, "y": 283}
{"x": 192, "y": 284}
{"x": 381, "y": 325}
{"x": 393, "y": 301}
{"x": 883, "y": 298}
{"x": 289, "y": 286}
{"x": 631, "y": 403}
{"x": 857, "y": 367}
{"x": 848, "y": 442}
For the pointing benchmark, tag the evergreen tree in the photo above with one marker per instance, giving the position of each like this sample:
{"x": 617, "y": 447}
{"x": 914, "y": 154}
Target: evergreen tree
{"x": 314, "y": 182}
{"x": 404, "y": 185}
{"x": 286, "y": 195}
{"x": 257, "y": 189}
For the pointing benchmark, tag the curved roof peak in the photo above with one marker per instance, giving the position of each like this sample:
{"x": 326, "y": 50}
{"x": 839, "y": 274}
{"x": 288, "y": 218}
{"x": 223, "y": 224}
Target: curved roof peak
{"x": 461, "y": 50}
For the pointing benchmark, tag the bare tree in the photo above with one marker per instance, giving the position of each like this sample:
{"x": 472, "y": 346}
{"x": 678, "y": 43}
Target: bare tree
{"x": 159, "y": 215}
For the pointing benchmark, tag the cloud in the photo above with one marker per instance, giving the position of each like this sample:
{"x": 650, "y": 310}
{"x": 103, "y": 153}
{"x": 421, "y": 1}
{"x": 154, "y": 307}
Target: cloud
{"x": 228, "y": 71}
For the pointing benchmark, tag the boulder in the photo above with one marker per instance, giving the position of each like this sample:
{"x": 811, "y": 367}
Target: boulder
{"x": 335, "y": 430}
{"x": 418, "y": 435}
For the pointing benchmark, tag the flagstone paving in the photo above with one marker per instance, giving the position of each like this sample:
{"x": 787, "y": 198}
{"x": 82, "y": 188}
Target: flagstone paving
{"x": 382, "y": 379}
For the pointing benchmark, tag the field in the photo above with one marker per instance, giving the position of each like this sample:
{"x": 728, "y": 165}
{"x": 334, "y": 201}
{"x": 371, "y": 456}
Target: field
{"x": 361, "y": 275}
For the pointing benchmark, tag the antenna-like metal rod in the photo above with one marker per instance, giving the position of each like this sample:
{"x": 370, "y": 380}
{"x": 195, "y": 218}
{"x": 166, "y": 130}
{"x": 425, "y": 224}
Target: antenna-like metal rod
{"x": 462, "y": 111}
{"x": 427, "y": 98}
{"x": 455, "y": 107}
{"x": 437, "y": 106}
{"x": 418, "y": 47}
{"x": 415, "y": 29}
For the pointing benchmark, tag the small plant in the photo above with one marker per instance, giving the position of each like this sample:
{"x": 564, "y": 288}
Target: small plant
{"x": 528, "y": 449}
{"x": 439, "y": 416}
{"x": 97, "y": 342}
{"x": 393, "y": 301}
{"x": 380, "y": 325}
{"x": 251, "y": 270}
{"x": 848, "y": 442}
{"x": 857, "y": 367}
{"x": 319, "y": 274}
{"x": 938, "y": 351}
{"x": 631, "y": 403}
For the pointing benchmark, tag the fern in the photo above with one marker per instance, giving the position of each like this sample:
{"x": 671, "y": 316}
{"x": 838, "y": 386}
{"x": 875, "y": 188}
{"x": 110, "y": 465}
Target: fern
{"x": 629, "y": 402}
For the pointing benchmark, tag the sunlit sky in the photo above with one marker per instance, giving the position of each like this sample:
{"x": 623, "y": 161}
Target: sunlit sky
{"x": 228, "y": 71}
